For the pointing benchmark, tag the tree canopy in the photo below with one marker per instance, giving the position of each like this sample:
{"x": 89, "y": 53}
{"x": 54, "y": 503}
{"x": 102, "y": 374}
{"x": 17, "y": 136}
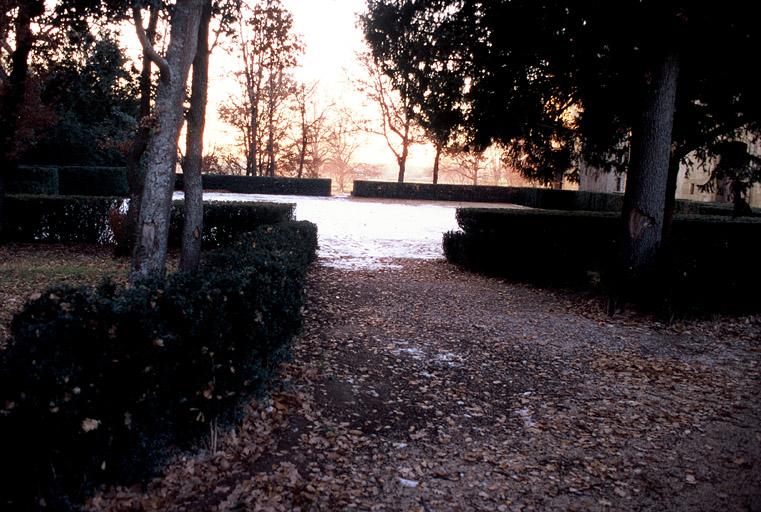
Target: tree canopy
{"x": 555, "y": 80}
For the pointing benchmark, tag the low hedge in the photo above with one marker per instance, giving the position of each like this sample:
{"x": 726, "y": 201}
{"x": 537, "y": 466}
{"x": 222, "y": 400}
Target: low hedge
{"x": 711, "y": 262}
{"x": 525, "y": 196}
{"x": 224, "y": 222}
{"x": 93, "y": 181}
{"x": 98, "y": 385}
{"x": 32, "y": 180}
{"x": 550, "y": 199}
{"x": 263, "y": 185}
{"x": 79, "y": 219}
{"x": 57, "y": 219}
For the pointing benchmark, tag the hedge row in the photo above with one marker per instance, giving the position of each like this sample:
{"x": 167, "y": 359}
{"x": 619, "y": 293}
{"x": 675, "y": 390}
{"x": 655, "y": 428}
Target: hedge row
{"x": 263, "y": 185}
{"x": 711, "y": 262}
{"x": 69, "y": 180}
{"x": 99, "y": 385}
{"x": 32, "y": 180}
{"x": 93, "y": 181}
{"x": 76, "y": 219}
{"x": 58, "y": 219}
{"x": 112, "y": 181}
{"x": 550, "y": 199}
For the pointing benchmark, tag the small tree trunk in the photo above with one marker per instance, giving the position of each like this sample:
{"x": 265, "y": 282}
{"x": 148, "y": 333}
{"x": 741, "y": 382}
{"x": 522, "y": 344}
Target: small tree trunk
{"x": 160, "y": 158}
{"x": 192, "y": 228}
{"x": 134, "y": 171}
{"x": 647, "y": 182}
{"x": 12, "y": 95}
{"x": 436, "y": 161}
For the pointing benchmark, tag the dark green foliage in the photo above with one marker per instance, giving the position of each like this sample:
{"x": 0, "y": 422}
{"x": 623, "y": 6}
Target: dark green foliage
{"x": 93, "y": 181}
{"x": 539, "y": 246}
{"x": 98, "y": 385}
{"x": 525, "y": 196}
{"x": 70, "y": 219}
{"x": 710, "y": 264}
{"x": 32, "y": 180}
{"x": 225, "y": 222}
{"x": 546, "y": 198}
{"x": 87, "y": 83}
{"x": 263, "y": 185}
{"x": 95, "y": 220}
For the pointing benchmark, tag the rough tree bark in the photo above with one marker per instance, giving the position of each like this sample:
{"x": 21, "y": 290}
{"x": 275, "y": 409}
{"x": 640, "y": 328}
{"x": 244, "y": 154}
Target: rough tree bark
{"x": 192, "y": 228}
{"x": 160, "y": 157}
{"x": 134, "y": 172}
{"x": 647, "y": 182}
{"x": 13, "y": 91}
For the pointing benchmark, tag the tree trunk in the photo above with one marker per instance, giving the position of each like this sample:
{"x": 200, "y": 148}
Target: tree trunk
{"x": 436, "y": 161}
{"x": 304, "y": 142}
{"x": 647, "y": 182}
{"x": 134, "y": 171}
{"x": 12, "y": 97}
{"x": 160, "y": 158}
{"x": 192, "y": 228}
{"x": 669, "y": 208}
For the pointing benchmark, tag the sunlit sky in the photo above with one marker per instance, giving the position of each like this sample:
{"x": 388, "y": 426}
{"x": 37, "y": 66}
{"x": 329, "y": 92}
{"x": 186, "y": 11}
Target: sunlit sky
{"x": 332, "y": 39}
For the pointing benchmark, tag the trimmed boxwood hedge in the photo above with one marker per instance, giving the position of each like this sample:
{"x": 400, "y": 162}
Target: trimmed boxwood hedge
{"x": 32, "y": 180}
{"x": 79, "y": 219}
{"x": 550, "y": 199}
{"x": 263, "y": 185}
{"x": 93, "y": 181}
{"x": 98, "y": 385}
{"x": 57, "y": 219}
{"x": 711, "y": 262}
{"x": 226, "y": 221}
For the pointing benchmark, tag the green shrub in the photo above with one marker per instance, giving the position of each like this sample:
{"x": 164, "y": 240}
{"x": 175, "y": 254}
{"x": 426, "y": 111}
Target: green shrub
{"x": 535, "y": 245}
{"x": 709, "y": 264}
{"x": 525, "y": 196}
{"x": 74, "y": 219}
{"x": 96, "y": 386}
{"x": 263, "y": 185}
{"x": 57, "y": 219}
{"x": 93, "y": 181}
{"x": 224, "y": 222}
{"x": 32, "y": 180}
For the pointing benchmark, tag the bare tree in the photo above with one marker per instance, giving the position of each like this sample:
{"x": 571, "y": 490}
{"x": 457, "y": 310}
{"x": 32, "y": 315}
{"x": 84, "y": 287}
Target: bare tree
{"x": 342, "y": 144}
{"x": 307, "y": 151}
{"x": 160, "y": 157}
{"x": 268, "y": 50}
{"x": 398, "y": 127}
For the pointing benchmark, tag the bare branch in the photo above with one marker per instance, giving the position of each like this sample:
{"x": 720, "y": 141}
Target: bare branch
{"x": 148, "y": 49}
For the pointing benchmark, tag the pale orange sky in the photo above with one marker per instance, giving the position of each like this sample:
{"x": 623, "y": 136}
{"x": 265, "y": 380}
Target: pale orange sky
{"x": 332, "y": 40}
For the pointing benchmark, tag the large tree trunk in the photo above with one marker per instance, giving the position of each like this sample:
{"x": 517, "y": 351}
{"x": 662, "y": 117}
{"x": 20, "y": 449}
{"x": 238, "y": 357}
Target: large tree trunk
{"x": 160, "y": 158}
{"x": 192, "y": 228}
{"x": 134, "y": 171}
{"x": 12, "y": 94}
{"x": 436, "y": 161}
{"x": 647, "y": 181}
{"x": 669, "y": 208}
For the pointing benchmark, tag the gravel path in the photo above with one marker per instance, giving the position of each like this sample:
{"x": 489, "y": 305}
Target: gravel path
{"x": 428, "y": 388}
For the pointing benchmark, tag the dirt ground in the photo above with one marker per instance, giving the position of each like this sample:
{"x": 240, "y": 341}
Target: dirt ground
{"x": 429, "y": 388}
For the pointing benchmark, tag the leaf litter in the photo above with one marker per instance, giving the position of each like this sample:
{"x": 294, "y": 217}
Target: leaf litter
{"x": 428, "y": 388}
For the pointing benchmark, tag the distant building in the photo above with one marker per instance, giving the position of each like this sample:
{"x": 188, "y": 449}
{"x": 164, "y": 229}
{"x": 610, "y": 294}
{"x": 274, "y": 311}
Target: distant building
{"x": 689, "y": 186}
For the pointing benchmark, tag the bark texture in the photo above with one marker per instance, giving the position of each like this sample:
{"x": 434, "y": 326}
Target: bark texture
{"x": 160, "y": 157}
{"x": 134, "y": 171}
{"x": 647, "y": 182}
{"x": 192, "y": 228}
